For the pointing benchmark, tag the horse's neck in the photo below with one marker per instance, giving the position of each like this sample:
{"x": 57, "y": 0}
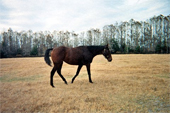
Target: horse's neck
{"x": 96, "y": 50}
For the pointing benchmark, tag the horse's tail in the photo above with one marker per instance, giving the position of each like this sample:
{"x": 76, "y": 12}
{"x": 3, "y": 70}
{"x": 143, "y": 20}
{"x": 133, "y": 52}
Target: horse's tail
{"x": 46, "y": 57}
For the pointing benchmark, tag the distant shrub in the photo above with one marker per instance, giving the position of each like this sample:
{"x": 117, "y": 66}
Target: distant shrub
{"x": 115, "y": 46}
{"x": 137, "y": 49}
{"x": 34, "y": 51}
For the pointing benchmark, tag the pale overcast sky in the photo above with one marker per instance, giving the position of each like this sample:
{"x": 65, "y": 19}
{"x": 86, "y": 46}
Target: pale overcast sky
{"x": 75, "y": 15}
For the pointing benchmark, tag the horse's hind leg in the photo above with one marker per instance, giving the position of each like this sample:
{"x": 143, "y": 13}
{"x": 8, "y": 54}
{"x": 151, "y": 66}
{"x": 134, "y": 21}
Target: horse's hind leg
{"x": 59, "y": 66}
{"x": 52, "y": 74}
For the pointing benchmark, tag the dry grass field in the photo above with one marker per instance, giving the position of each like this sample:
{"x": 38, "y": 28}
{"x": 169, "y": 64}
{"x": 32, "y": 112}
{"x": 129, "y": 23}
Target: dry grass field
{"x": 130, "y": 83}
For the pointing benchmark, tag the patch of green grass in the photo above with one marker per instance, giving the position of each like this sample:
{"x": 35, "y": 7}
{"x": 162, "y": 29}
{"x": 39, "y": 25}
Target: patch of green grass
{"x": 151, "y": 103}
{"x": 167, "y": 75}
{"x": 7, "y": 78}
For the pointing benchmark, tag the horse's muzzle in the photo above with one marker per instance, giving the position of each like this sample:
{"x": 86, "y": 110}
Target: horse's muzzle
{"x": 109, "y": 59}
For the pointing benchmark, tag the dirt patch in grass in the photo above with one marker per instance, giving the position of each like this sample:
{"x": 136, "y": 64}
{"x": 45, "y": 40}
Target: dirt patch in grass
{"x": 130, "y": 83}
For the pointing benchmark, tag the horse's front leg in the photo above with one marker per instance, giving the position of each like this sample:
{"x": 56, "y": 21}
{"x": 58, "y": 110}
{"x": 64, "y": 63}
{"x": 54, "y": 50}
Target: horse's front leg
{"x": 89, "y": 73}
{"x": 78, "y": 70}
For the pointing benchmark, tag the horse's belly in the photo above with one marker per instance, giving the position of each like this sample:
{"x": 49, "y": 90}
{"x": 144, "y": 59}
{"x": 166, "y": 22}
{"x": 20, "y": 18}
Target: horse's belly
{"x": 73, "y": 61}
{"x": 74, "y": 57}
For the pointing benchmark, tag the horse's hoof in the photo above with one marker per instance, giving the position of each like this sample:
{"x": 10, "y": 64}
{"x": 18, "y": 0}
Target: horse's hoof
{"x": 91, "y": 82}
{"x": 72, "y": 81}
{"x": 53, "y": 86}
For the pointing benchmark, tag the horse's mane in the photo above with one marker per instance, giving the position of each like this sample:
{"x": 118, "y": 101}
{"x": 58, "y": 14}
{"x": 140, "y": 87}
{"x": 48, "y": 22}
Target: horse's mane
{"x": 95, "y": 49}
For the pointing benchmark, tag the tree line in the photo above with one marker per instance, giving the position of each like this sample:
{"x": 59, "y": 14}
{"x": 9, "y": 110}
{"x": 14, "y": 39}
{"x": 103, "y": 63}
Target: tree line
{"x": 150, "y": 36}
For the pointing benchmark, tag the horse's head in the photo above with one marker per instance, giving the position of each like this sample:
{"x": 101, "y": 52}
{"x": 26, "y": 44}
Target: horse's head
{"x": 107, "y": 54}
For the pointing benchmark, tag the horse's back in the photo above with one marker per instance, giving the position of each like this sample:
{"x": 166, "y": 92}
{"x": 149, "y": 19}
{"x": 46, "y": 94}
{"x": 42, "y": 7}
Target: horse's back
{"x": 74, "y": 56}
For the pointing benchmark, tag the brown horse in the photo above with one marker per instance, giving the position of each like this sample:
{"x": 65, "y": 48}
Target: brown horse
{"x": 82, "y": 55}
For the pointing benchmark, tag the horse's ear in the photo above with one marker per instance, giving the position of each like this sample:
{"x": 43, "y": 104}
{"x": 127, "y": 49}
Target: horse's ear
{"x": 106, "y": 46}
